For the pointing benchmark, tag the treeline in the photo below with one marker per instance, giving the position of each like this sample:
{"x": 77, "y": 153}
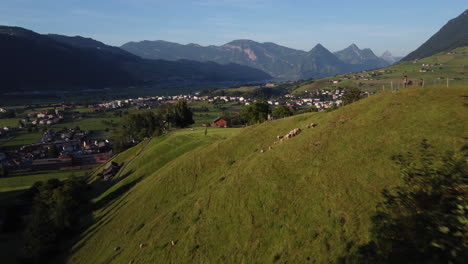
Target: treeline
{"x": 136, "y": 127}
{"x": 259, "y": 111}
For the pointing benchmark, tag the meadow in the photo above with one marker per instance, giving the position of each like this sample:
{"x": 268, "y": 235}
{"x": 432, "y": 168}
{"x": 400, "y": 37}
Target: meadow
{"x": 201, "y": 199}
{"x": 453, "y": 66}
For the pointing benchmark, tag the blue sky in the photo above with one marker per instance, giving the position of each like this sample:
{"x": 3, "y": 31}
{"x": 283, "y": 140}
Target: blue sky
{"x": 398, "y": 26}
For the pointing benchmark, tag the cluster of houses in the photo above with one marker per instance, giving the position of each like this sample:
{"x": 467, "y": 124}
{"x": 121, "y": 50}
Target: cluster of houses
{"x": 333, "y": 96}
{"x": 57, "y": 150}
{"x": 320, "y": 99}
{"x": 361, "y": 76}
{"x": 46, "y": 117}
{"x": 426, "y": 65}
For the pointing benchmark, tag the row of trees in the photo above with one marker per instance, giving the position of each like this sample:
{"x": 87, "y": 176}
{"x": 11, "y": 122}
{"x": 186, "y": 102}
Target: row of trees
{"x": 258, "y": 112}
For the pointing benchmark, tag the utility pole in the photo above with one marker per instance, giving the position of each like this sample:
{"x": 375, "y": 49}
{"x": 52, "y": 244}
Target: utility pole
{"x": 447, "y": 82}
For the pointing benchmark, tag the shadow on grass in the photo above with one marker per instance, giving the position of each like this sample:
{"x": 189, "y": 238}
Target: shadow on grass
{"x": 89, "y": 223}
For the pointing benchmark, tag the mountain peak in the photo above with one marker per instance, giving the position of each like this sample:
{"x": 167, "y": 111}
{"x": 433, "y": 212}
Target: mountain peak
{"x": 386, "y": 54}
{"x": 241, "y": 42}
{"x": 353, "y": 46}
{"x": 319, "y": 47}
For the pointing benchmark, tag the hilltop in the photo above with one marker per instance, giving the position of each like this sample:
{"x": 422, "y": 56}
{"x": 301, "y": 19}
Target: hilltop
{"x": 190, "y": 198}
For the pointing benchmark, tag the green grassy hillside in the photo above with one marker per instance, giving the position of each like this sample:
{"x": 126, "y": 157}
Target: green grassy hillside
{"x": 453, "y": 66}
{"x": 194, "y": 199}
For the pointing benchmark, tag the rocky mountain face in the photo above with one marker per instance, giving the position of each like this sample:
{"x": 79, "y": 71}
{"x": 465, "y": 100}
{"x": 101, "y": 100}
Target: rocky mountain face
{"x": 278, "y": 61}
{"x": 453, "y": 35}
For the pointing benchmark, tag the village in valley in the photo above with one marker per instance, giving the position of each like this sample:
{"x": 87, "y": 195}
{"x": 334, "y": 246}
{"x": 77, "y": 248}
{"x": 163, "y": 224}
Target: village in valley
{"x": 76, "y": 137}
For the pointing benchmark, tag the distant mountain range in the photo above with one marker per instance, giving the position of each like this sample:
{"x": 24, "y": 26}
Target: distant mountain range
{"x": 453, "y": 35}
{"x": 31, "y": 61}
{"x": 278, "y": 61}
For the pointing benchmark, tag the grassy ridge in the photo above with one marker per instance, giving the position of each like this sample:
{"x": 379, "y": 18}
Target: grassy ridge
{"x": 306, "y": 201}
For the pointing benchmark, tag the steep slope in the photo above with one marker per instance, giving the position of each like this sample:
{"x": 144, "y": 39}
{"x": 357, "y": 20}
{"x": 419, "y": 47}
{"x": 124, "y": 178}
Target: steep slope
{"x": 320, "y": 62}
{"x": 308, "y": 200}
{"x": 453, "y": 35}
{"x": 279, "y": 61}
{"x": 32, "y": 61}
{"x": 363, "y": 59}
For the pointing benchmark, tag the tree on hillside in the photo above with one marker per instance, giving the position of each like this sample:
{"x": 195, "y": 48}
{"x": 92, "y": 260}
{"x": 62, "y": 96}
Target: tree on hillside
{"x": 55, "y": 213}
{"x": 256, "y": 112}
{"x": 426, "y": 219}
{"x": 183, "y": 116}
{"x": 232, "y": 118}
{"x": 282, "y": 111}
{"x": 136, "y": 127}
{"x": 351, "y": 95}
